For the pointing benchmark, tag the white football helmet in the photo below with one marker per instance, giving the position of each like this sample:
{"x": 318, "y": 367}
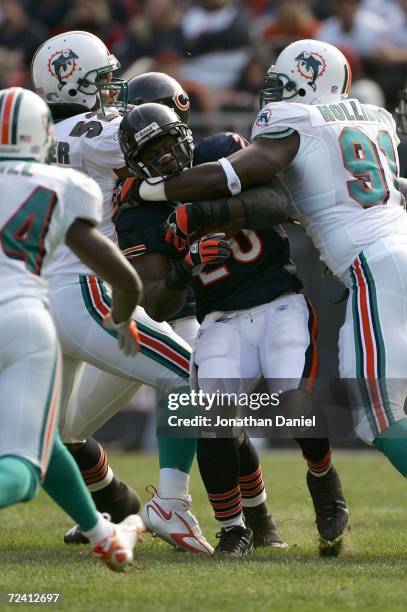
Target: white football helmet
{"x": 25, "y": 125}
{"x": 310, "y": 72}
{"x": 67, "y": 68}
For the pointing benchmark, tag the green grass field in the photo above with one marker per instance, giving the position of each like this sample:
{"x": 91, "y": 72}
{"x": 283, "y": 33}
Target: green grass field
{"x": 370, "y": 574}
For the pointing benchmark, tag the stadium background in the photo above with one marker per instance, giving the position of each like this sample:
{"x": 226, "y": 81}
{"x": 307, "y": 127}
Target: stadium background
{"x": 219, "y": 50}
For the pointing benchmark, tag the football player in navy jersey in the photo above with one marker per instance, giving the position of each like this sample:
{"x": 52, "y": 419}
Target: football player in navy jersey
{"x": 249, "y": 275}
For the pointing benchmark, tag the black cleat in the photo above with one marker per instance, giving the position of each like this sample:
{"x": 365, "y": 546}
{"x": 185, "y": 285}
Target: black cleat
{"x": 331, "y": 510}
{"x": 234, "y": 542}
{"x": 265, "y": 533}
{"x": 75, "y": 536}
{"x": 117, "y": 500}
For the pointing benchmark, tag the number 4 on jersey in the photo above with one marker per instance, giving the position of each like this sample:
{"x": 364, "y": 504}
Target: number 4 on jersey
{"x": 23, "y": 236}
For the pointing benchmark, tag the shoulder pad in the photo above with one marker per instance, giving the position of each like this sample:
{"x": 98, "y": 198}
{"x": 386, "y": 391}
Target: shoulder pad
{"x": 277, "y": 117}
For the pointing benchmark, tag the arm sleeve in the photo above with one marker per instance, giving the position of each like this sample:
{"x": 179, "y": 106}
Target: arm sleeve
{"x": 79, "y": 198}
{"x": 83, "y": 200}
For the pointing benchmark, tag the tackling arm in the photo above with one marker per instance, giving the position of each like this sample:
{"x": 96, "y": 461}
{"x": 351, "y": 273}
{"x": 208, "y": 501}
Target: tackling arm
{"x": 255, "y": 165}
{"x": 257, "y": 208}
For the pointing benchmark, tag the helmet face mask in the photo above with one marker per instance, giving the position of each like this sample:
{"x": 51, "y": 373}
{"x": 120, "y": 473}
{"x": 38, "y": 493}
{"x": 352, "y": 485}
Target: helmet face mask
{"x": 276, "y": 84}
{"x": 155, "y": 142}
{"x": 308, "y": 72}
{"x": 401, "y": 111}
{"x": 173, "y": 147}
{"x": 72, "y": 68}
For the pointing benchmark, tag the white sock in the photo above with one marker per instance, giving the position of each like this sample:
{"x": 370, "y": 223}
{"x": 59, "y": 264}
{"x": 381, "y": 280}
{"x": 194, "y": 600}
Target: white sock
{"x": 234, "y": 522}
{"x": 173, "y": 483}
{"x": 103, "y": 529}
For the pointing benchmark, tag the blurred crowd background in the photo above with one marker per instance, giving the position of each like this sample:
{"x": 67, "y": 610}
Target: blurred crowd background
{"x": 220, "y": 50}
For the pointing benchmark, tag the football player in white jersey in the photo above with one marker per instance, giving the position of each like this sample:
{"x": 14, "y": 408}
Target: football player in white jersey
{"x": 75, "y": 68}
{"x": 337, "y": 159}
{"x": 42, "y": 207}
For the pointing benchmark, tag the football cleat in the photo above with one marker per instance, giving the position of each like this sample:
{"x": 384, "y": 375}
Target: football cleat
{"x": 75, "y": 536}
{"x": 236, "y": 541}
{"x": 265, "y": 533}
{"x": 170, "y": 519}
{"x": 116, "y": 551}
{"x": 331, "y": 511}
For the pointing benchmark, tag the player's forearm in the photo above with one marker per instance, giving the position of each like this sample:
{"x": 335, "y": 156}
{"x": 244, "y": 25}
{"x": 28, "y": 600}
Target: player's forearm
{"x": 202, "y": 182}
{"x": 123, "y": 304}
{"x": 162, "y": 303}
{"x": 258, "y": 208}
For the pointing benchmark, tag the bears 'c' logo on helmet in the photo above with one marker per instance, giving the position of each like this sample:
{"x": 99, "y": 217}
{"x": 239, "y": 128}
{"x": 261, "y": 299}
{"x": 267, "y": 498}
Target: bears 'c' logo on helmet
{"x": 61, "y": 65}
{"x": 310, "y": 66}
{"x": 181, "y": 100}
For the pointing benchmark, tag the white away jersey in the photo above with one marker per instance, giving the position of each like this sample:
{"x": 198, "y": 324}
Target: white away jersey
{"x": 343, "y": 182}
{"x": 88, "y": 142}
{"x": 38, "y": 204}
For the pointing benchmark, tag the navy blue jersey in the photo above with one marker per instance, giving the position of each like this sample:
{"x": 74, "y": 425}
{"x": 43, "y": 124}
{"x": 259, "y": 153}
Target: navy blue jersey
{"x": 259, "y": 269}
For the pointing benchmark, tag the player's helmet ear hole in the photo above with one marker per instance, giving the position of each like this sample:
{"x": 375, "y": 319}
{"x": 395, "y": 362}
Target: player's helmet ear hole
{"x": 72, "y": 92}
{"x": 301, "y": 92}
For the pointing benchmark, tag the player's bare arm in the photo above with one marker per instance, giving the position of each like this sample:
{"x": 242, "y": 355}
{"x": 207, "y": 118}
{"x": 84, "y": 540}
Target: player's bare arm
{"x": 255, "y": 165}
{"x": 257, "y": 208}
{"x": 103, "y": 257}
{"x": 159, "y": 301}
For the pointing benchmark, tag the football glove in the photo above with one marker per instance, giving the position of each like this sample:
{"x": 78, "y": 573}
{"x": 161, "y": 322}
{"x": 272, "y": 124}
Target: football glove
{"x": 210, "y": 249}
{"x": 125, "y": 195}
{"x": 180, "y": 223}
{"x": 178, "y": 243}
{"x": 127, "y": 334}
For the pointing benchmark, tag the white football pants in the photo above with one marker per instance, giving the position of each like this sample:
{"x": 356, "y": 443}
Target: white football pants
{"x": 373, "y": 338}
{"x": 30, "y": 381}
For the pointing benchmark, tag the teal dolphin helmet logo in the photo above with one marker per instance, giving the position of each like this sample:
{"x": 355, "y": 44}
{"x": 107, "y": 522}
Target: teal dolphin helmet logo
{"x": 310, "y": 66}
{"x": 62, "y": 64}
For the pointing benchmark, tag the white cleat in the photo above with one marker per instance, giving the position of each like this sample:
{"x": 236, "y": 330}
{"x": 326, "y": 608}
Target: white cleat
{"x": 116, "y": 551}
{"x": 170, "y": 519}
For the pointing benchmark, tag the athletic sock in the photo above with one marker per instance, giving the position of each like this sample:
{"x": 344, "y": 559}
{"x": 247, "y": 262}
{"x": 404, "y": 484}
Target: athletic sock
{"x": 92, "y": 462}
{"x": 219, "y": 465}
{"x": 173, "y": 483}
{"x": 176, "y": 453}
{"x": 251, "y": 477}
{"x": 103, "y": 529}
{"x": 64, "y": 484}
{"x": 317, "y": 453}
{"x": 393, "y": 444}
{"x": 19, "y": 480}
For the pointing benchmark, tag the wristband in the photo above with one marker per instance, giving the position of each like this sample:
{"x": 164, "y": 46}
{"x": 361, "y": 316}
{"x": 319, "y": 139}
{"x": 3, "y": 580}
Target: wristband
{"x": 233, "y": 180}
{"x": 153, "y": 192}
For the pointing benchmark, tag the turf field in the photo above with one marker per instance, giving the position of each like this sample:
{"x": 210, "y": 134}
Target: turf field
{"x": 370, "y": 574}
